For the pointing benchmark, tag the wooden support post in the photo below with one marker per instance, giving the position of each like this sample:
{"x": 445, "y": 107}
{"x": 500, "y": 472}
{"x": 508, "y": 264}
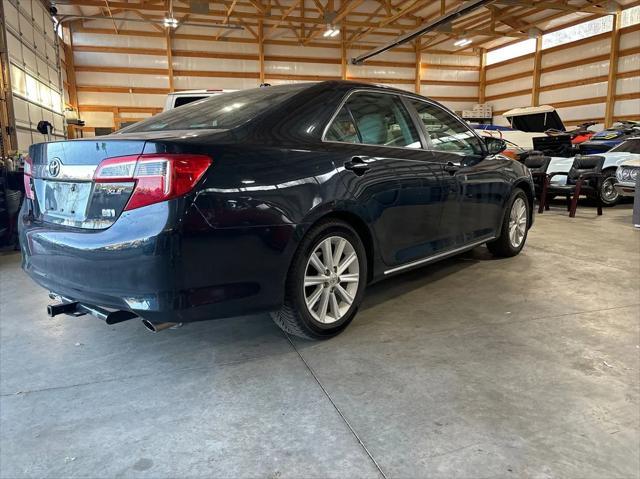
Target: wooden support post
{"x": 261, "y": 49}
{"x": 343, "y": 47}
{"x": 537, "y": 72}
{"x": 418, "y": 48}
{"x": 302, "y": 15}
{"x": 70, "y": 71}
{"x": 170, "y": 60}
{"x": 613, "y": 71}
{"x": 482, "y": 86}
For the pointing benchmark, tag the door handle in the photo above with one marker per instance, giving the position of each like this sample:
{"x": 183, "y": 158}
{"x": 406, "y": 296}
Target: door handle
{"x": 451, "y": 168}
{"x": 357, "y": 165}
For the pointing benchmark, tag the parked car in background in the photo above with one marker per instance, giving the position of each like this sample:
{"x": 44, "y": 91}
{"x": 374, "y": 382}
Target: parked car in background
{"x": 606, "y": 140}
{"x": 180, "y": 98}
{"x": 288, "y": 199}
{"x": 526, "y": 124}
{"x": 626, "y": 177}
{"x": 627, "y": 150}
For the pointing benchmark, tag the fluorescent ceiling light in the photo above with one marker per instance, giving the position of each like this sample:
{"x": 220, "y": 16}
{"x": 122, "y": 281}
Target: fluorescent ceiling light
{"x": 331, "y": 31}
{"x": 462, "y": 42}
{"x": 171, "y": 22}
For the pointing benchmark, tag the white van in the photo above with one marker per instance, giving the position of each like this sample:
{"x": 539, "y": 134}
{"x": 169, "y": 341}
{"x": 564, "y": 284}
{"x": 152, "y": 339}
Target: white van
{"x": 179, "y": 98}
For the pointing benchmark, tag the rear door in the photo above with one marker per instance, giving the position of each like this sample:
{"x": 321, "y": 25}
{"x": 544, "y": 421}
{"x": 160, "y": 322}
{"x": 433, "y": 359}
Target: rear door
{"x": 389, "y": 173}
{"x": 475, "y": 184}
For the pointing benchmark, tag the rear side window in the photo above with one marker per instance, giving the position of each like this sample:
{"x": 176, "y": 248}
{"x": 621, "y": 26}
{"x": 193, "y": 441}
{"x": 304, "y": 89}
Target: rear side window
{"x": 343, "y": 128}
{"x": 219, "y": 112}
{"x": 374, "y": 119}
{"x": 445, "y": 131}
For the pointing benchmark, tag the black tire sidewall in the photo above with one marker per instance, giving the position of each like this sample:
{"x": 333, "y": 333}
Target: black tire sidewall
{"x": 296, "y": 280}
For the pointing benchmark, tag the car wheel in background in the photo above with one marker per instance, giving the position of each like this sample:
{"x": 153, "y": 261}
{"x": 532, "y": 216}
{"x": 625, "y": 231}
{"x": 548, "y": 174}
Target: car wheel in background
{"x": 608, "y": 193}
{"x": 326, "y": 282}
{"x": 515, "y": 226}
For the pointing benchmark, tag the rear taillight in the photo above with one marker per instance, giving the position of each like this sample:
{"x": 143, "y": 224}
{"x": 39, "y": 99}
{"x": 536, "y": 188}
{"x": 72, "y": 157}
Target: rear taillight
{"x": 157, "y": 177}
{"x": 28, "y": 173}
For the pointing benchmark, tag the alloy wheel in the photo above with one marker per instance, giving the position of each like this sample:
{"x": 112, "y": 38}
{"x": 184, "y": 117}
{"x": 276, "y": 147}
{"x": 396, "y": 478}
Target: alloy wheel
{"x": 331, "y": 279}
{"x": 517, "y": 222}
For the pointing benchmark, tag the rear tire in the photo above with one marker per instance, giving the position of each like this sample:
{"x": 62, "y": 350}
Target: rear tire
{"x": 321, "y": 304}
{"x": 515, "y": 227}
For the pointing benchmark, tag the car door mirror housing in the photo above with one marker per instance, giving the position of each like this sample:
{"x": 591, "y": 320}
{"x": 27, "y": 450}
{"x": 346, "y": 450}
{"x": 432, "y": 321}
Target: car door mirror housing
{"x": 494, "y": 145}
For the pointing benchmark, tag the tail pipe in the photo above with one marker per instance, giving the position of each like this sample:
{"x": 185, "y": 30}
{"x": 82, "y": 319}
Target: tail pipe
{"x": 157, "y": 327}
{"x": 75, "y": 308}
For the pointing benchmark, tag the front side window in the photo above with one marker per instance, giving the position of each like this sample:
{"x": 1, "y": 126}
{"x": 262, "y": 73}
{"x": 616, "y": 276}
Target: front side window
{"x": 445, "y": 131}
{"x": 380, "y": 119}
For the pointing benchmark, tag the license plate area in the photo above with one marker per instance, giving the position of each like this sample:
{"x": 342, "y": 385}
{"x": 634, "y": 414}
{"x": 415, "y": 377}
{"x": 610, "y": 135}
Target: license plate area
{"x": 66, "y": 200}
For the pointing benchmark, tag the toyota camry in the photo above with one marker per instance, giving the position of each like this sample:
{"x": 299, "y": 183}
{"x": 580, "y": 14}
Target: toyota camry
{"x": 288, "y": 200}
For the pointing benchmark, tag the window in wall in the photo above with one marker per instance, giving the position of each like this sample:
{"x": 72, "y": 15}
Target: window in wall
{"x": 511, "y": 51}
{"x": 578, "y": 32}
{"x": 630, "y": 16}
{"x": 26, "y": 86}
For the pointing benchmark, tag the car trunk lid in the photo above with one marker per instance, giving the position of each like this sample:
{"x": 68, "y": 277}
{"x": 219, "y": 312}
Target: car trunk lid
{"x": 63, "y": 188}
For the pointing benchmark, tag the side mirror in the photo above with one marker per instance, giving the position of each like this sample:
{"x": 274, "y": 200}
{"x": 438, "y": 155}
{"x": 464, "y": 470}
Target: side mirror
{"x": 495, "y": 145}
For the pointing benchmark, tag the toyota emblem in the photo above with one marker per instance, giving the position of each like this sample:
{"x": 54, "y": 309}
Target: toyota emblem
{"x": 54, "y": 167}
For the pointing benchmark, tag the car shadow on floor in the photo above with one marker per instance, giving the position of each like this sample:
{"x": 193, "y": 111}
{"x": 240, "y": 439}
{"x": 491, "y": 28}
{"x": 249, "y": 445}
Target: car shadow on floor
{"x": 406, "y": 282}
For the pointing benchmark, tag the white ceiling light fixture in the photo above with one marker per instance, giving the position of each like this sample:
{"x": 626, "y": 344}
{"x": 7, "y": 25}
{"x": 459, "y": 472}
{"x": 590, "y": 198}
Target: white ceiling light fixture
{"x": 462, "y": 42}
{"x": 331, "y": 32}
{"x": 171, "y": 22}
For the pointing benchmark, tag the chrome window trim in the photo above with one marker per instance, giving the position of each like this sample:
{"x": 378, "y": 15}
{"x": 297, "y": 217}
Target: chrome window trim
{"x": 371, "y": 90}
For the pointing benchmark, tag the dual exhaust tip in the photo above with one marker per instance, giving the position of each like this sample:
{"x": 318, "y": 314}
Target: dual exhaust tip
{"x": 74, "y": 308}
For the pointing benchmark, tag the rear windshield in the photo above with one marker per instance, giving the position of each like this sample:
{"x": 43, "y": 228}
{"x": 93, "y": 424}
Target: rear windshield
{"x": 184, "y": 100}
{"x": 225, "y": 111}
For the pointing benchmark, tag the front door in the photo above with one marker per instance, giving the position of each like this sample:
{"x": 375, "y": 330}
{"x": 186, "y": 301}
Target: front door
{"x": 475, "y": 185}
{"x": 388, "y": 172}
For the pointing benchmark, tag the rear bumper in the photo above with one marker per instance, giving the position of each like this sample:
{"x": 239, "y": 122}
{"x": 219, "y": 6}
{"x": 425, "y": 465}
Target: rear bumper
{"x": 162, "y": 265}
{"x": 625, "y": 189}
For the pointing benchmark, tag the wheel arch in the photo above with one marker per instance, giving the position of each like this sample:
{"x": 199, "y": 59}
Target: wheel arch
{"x": 360, "y": 226}
{"x": 525, "y": 186}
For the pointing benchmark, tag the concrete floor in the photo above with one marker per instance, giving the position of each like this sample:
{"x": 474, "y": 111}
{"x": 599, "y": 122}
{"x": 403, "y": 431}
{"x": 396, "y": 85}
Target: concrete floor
{"x": 475, "y": 367}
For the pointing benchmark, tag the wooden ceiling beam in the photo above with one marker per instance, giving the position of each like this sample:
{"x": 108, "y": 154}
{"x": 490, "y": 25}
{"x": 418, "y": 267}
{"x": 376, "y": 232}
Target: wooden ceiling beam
{"x": 555, "y": 6}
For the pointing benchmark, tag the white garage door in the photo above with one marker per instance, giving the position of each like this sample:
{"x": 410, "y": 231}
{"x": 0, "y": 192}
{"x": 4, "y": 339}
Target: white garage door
{"x": 32, "y": 46}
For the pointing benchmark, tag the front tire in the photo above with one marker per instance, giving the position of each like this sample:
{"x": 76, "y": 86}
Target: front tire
{"x": 608, "y": 193}
{"x": 515, "y": 227}
{"x": 326, "y": 282}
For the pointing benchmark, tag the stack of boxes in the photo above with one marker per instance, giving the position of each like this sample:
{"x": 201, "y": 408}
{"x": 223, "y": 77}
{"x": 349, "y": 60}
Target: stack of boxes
{"x": 483, "y": 110}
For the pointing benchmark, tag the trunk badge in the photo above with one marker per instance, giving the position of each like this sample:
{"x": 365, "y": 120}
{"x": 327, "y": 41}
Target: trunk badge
{"x": 54, "y": 167}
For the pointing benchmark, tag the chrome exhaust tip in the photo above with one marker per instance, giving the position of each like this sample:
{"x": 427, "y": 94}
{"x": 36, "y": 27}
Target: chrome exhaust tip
{"x": 157, "y": 327}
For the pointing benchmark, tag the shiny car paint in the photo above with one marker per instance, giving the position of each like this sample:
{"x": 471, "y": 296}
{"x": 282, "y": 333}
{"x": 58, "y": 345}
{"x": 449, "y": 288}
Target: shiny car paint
{"x": 225, "y": 248}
